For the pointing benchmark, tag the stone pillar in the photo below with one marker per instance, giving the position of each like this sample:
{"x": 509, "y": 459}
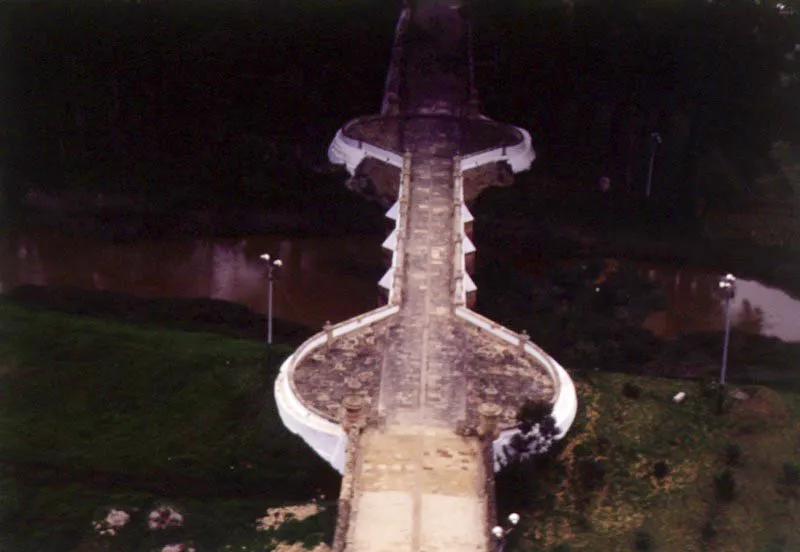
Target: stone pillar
{"x": 328, "y": 333}
{"x": 524, "y": 339}
{"x": 354, "y": 408}
{"x": 488, "y": 414}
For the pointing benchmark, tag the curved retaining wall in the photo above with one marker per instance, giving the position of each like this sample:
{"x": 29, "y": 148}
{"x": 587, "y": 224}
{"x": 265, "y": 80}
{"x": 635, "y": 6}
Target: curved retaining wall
{"x": 519, "y": 156}
{"x": 350, "y": 152}
{"x": 322, "y": 434}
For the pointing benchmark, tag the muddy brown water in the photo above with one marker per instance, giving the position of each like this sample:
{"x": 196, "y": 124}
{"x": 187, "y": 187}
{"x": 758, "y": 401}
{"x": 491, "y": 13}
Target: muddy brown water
{"x": 694, "y": 304}
{"x": 333, "y": 278}
{"x": 321, "y": 279}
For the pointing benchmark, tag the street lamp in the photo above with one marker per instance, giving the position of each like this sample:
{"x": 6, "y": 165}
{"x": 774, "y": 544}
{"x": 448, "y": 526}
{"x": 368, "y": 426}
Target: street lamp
{"x": 728, "y": 286}
{"x": 655, "y": 140}
{"x": 500, "y": 534}
{"x": 272, "y": 265}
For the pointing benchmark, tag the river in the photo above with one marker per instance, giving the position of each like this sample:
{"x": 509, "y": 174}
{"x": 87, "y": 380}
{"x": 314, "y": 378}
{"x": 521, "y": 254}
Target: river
{"x": 333, "y": 278}
{"x": 321, "y": 278}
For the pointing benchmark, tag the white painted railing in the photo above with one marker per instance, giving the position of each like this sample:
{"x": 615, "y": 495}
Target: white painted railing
{"x": 351, "y": 152}
{"x": 319, "y": 429}
{"x": 519, "y": 156}
{"x": 458, "y": 263}
{"x": 565, "y": 399}
{"x": 393, "y": 76}
{"x": 396, "y": 242}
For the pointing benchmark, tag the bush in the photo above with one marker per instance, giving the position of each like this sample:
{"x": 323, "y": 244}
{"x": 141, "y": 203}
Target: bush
{"x": 790, "y": 474}
{"x": 532, "y": 413}
{"x": 725, "y": 486}
{"x": 642, "y": 541}
{"x": 660, "y": 469}
{"x": 708, "y": 533}
{"x": 733, "y": 454}
{"x": 603, "y": 445}
{"x": 631, "y": 391}
{"x": 592, "y": 473}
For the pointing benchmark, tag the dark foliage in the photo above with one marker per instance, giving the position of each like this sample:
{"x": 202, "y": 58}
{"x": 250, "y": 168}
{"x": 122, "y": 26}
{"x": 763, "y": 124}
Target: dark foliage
{"x": 725, "y": 486}
{"x": 642, "y": 541}
{"x": 790, "y": 474}
{"x": 532, "y": 413}
{"x": 592, "y": 473}
{"x": 708, "y": 532}
{"x": 660, "y": 469}
{"x": 586, "y": 326}
{"x": 631, "y": 391}
{"x": 733, "y": 454}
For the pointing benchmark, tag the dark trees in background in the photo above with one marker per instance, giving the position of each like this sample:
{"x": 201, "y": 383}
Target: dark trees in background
{"x": 228, "y": 98}
{"x": 217, "y": 98}
{"x": 593, "y": 82}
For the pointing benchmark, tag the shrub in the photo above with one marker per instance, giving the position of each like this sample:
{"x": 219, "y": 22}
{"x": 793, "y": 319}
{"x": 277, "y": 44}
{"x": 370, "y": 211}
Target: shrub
{"x": 708, "y": 533}
{"x": 660, "y": 469}
{"x": 733, "y": 454}
{"x": 725, "y": 486}
{"x": 631, "y": 391}
{"x": 790, "y": 474}
{"x": 603, "y": 445}
{"x": 642, "y": 541}
{"x": 532, "y": 413}
{"x": 592, "y": 473}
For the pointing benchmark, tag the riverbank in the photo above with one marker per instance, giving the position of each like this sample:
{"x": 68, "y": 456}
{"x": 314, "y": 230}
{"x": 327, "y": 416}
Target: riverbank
{"x": 100, "y": 415}
{"x": 537, "y": 219}
{"x": 193, "y": 315}
{"x": 589, "y": 314}
{"x": 320, "y": 207}
{"x": 639, "y": 471}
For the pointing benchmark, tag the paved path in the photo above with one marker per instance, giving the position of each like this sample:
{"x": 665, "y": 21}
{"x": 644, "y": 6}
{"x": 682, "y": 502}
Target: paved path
{"x": 418, "y": 489}
{"x": 419, "y": 486}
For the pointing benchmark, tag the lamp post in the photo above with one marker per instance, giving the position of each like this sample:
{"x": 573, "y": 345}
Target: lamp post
{"x": 655, "y": 140}
{"x": 728, "y": 286}
{"x": 500, "y": 534}
{"x": 272, "y": 265}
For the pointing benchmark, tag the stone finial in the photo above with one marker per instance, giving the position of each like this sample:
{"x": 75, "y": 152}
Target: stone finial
{"x": 354, "y": 410}
{"x": 524, "y": 339}
{"x": 328, "y": 333}
{"x": 488, "y": 413}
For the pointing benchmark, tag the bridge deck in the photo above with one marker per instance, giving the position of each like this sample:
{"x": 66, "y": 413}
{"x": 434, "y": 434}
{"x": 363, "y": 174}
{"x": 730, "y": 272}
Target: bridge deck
{"x": 417, "y": 480}
{"x": 418, "y": 488}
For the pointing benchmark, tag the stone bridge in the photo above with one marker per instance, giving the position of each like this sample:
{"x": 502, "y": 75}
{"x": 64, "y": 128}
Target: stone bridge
{"x": 413, "y": 401}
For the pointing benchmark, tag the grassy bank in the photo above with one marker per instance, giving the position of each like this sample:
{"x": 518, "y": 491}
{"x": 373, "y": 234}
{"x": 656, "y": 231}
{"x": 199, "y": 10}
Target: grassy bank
{"x": 639, "y": 472}
{"x": 97, "y": 414}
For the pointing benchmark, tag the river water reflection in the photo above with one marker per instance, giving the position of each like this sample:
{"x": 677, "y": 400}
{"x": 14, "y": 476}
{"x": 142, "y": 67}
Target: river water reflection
{"x": 322, "y": 278}
{"x": 333, "y": 279}
{"x": 694, "y": 304}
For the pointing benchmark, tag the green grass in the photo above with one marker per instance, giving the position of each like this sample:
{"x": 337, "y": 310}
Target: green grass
{"x": 629, "y": 436}
{"x": 95, "y": 414}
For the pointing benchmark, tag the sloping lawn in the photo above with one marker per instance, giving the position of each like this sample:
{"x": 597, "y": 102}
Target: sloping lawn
{"x": 95, "y": 415}
{"x": 605, "y": 490}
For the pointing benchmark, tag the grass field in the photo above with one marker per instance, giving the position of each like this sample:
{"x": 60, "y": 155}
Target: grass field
{"x": 604, "y": 490}
{"x": 96, "y": 415}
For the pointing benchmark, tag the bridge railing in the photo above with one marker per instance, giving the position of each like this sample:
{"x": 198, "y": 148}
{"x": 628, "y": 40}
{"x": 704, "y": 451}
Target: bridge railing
{"x": 401, "y": 225}
{"x": 519, "y": 156}
{"x": 565, "y": 400}
{"x": 458, "y": 288}
{"x": 391, "y": 91}
{"x": 320, "y": 429}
